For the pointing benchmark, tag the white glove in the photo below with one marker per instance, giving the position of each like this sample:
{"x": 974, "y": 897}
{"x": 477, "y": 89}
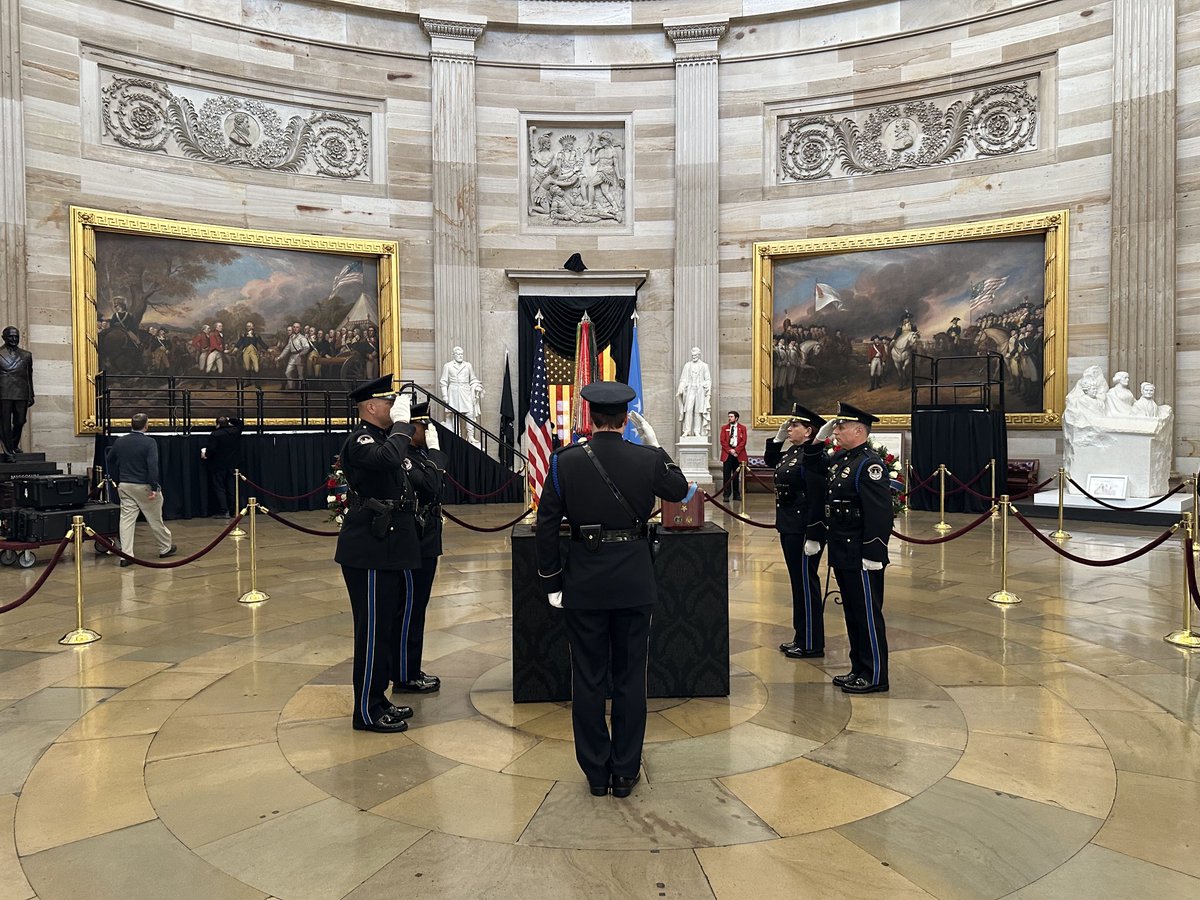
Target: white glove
{"x": 811, "y": 548}
{"x": 825, "y": 432}
{"x": 431, "y": 437}
{"x": 555, "y": 599}
{"x": 782, "y": 434}
{"x": 402, "y": 409}
{"x": 870, "y": 565}
{"x": 642, "y": 427}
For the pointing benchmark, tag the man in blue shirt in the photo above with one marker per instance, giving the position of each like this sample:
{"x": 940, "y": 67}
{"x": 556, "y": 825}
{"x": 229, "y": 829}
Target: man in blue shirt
{"x": 133, "y": 465}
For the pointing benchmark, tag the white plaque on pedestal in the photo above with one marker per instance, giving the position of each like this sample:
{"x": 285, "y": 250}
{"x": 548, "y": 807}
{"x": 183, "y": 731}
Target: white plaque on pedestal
{"x": 692, "y": 455}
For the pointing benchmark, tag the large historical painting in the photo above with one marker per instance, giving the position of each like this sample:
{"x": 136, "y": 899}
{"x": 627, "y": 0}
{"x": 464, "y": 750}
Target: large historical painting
{"x": 850, "y": 318}
{"x": 197, "y": 308}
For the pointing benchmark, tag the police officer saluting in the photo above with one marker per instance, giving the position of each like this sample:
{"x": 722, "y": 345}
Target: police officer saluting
{"x": 377, "y": 543}
{"x": 605, "y": 489}
{"x": 858, "y": 514}
{"x": 801, "y": 465}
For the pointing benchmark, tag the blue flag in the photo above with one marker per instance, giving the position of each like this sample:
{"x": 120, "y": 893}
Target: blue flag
{"x": 635, "y": 382}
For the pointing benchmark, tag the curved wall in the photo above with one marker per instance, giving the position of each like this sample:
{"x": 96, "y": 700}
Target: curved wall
{"x": 589, "y": 59}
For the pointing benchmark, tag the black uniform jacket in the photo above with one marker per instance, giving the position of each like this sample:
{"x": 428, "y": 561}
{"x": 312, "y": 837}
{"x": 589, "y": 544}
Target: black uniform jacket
{"x": 427, "y": 473}
{"x": 858, "y": 508}
{"x": 614, "y": 575}
{"x": 373, "y": 462}
{"x": 800, "y": 483}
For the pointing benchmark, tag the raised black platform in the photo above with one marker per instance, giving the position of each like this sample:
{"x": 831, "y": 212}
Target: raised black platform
{"x": 689, "y": 640}
{"x": 27, "y": 464}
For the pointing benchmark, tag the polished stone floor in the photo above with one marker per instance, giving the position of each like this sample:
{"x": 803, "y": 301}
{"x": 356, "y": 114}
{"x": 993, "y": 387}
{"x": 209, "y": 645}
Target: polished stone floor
{"x": 203, "y": 748}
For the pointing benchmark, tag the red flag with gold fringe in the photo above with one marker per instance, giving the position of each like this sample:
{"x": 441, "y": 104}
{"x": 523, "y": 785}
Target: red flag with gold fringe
{"x": 585, "y": 374}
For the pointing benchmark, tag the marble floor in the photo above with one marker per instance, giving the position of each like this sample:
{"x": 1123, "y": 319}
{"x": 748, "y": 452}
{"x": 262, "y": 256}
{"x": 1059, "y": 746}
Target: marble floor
{"x": 203, "y": 748}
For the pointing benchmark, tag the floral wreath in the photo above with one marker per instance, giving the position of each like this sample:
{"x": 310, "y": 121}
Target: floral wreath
{"x": 336, "y": 500}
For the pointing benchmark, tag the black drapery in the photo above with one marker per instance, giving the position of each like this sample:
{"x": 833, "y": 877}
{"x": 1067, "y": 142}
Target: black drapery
{"x": 964, "y": 440}
{"x": 611, "y": 325}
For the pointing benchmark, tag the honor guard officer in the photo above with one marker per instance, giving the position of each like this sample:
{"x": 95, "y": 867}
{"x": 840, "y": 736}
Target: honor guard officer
{"x": 377, "y": 543}
{"x": 605, "y": 489}
{"x": 858, "y": 516}
{"x": 426, "y": 468}
{"x": 801, "y": 467}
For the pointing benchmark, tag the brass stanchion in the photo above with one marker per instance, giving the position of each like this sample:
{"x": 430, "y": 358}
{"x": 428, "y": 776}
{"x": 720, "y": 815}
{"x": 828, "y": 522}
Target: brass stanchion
{"x": 1195, "y": 508}
{"x": 1004, "y": 596}
{"x": 237, "y": 503}
{"x": 80, "y": 635}
{"x": 1186, "y": 637}
{"x": 941, "y": 526}
{"x": 1061, "y": 535}
{"x": 254, "y": 595}
{"x": 995, "y": 508}
{"x": 742, "y": 482}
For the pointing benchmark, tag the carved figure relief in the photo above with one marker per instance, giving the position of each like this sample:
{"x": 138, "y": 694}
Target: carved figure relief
{"x": 991, "y": 121}
{"x": 576, "y": 175}
{"x": 156, "y": 117}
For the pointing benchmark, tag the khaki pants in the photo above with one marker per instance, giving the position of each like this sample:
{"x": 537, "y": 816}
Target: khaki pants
{"x": 135, "y": 498}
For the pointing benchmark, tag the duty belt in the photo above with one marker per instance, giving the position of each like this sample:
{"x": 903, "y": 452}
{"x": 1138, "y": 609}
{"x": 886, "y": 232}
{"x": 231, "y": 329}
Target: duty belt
{"x": 357, "y": 501}
{"x": 611, "y": 535}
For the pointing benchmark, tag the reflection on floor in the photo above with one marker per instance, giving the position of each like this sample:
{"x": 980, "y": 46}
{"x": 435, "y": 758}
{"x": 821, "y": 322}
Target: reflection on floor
{"x": 203, "y": 748}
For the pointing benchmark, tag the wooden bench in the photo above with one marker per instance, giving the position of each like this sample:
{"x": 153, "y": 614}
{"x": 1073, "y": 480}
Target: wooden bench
{"x": 1022, "y": 476}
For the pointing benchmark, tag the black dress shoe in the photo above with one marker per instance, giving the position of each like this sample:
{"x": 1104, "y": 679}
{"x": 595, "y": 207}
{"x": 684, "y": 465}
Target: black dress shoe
{"x": 125, "y": 563}
{"x": 790, "y": 645}
{"x": 171, "y": 552}
{"x": 424, "y": 684}
{"x": 860, "y": 685}
{"x": 388, "y": 723}
{"x": 839, "y": 680}
{"x": 622, "y": 786}
{"x": 795, "y": 652}
{"x": 401, "y": 712}
{"x": 598, "y": 790}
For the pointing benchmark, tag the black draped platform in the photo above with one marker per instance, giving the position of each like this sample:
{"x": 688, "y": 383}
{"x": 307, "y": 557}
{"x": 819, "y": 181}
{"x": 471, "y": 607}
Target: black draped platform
{"x": 689, "y": 640}
{"x": 294, "y": 463}
{"x": 965, "y": 440}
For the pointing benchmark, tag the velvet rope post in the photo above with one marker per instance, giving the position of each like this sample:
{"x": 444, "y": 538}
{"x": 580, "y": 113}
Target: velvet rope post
{"x": 313, "y": 531}
{"x": 457, "y": 521}
{"x": 721, "y": 506}
{"x": 474, "y": 496}
{"x": 324, "y": 486}
{"x": 37, "y": 585}
{"x": 1189, "y": 555}
{"x": 175, "y": 564}
{"x": 946, "y": 537}
{"x": 921, "y": 485}
{"x": 1099, "y": 563}
{"x": 1172, "y": 492}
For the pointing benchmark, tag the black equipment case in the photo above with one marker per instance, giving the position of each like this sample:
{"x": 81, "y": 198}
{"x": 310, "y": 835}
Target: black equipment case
{"x": 51, "y": 491}
{"x": 39, "y": 525}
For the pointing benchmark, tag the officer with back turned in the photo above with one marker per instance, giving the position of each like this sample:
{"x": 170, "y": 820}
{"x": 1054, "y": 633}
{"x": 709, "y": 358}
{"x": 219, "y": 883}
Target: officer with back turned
{"x": 858, "y": 515}
{"x": 378, "y": 542}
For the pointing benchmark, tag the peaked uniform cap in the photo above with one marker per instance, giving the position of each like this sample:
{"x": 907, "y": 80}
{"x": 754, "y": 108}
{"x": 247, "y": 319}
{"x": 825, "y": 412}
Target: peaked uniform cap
{"x": 608, "y": 393}
{"x": 420, "y": 412}
{"x": 848, "y": 413}
{"x": 379, "y": 387}
{"x": 807, "y": 416}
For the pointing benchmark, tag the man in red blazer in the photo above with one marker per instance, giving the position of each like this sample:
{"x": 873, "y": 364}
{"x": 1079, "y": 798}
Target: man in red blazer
{"x": 733, "y": 454}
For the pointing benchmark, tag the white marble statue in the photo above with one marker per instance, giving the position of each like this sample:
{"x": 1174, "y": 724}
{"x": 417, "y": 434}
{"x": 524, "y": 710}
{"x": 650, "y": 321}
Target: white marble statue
{"x": 694, "y": 396}
{"x": 1107, "y": 432}
{"x": 461, "y": 390}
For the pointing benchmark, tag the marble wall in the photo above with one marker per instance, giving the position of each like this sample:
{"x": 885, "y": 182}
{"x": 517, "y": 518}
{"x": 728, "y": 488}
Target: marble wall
{"x": 555, "y": 59}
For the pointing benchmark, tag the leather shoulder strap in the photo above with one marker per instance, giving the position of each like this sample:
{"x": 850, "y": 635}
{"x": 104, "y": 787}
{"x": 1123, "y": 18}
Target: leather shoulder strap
{"x": 637, "y": 522}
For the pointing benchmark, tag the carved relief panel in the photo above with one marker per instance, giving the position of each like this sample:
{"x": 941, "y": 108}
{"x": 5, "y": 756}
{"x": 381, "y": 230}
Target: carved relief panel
{"x": 576, "y": 174}
{"x": 156, "y": 115}
{"x": 988, "y": 121}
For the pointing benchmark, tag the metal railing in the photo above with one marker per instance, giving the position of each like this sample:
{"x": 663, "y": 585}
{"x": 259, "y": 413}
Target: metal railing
{"x": 976, "y": 381}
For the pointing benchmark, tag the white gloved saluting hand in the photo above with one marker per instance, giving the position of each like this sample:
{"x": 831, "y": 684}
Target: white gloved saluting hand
{"x": 782, "y": 434}
{"x": 642, "y": 427}
{"x": 825, "y": 432}
{"x": 811, "y": 548}
{"x": 431, "y": 437}
{"x": 555, "y": 599}
{"x": 401, "y": 410}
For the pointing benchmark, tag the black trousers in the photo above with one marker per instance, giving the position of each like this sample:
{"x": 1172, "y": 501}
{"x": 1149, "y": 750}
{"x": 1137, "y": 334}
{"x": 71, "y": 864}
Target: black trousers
{"x": 730, "y": 467}
{"x": 12, "y": 422}
{"x": 410, "y": 621}
{"x": 375, "y": 598}
{"x": 221, "y": 480}
{"x": 598, "y": 637}
{"x": 862, "y": 604}
{"x": 808, "y": 611}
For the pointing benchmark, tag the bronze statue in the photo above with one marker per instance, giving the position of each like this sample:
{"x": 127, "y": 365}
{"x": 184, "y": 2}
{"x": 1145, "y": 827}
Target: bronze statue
{"x": 16, "y": 391}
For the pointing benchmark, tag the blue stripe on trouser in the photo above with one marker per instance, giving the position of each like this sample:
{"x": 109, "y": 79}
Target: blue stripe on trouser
{"x": 405, "y": 675}
{"x": 871, "y": 626}
{"x": 369, "y": 666}
{"x": 808, "y": 631}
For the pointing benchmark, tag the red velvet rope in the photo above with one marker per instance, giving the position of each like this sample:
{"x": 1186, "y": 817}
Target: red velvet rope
{"x": 175, "y": 564}
{"x": 474, "y": 496}
{"x": 1025, "y": 496}
{"x": 767, "y": 484}
{"x": 1189, "y": 551}
{"x": 282, "y": 521}
{"x": 721, "y": 506}
{"x": 324, "y": 486}
{"x": 37, "y": 585}
{"x": 945, "y": 537}
{"x": 921, "y": 485}
{"x": 1174, "y": 490}
{"x": 457, "y": 521}
{"x": 968, "y": 484}
{"x": 1100, "y": 563}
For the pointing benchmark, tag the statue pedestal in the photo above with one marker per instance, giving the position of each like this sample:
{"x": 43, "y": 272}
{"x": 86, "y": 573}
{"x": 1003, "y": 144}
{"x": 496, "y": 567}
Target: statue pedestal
{"x": 1139, "y": 450}
{"x": 692, "y": 455}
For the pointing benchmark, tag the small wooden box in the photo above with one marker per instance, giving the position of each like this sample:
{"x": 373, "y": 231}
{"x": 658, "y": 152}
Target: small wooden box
{"x": 683, "y": 516}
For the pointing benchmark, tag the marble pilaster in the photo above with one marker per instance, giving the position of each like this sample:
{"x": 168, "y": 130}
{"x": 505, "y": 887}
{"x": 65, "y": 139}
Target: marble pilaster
{"x": 12, "y": 170}
{"x": 1142, "y": 298}
{"x": 697, "y": 211}
{"x": 455, "y": 199}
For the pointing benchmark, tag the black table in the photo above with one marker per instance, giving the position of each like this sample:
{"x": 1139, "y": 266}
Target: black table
{"x": 689, "y": 640}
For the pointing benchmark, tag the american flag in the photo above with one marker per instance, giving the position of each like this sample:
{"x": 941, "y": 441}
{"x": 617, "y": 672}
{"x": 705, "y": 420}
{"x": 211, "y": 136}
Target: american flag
{"x": 352, "y": 273}
{"x": 536, "y": 439}
{"x": 985, "y": 291}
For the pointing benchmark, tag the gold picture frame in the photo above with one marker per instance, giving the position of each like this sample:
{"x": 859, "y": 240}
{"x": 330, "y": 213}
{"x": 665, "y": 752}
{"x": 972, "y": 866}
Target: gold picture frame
{"x": 373, "y": 265}
{"x": 837, "y": 294}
